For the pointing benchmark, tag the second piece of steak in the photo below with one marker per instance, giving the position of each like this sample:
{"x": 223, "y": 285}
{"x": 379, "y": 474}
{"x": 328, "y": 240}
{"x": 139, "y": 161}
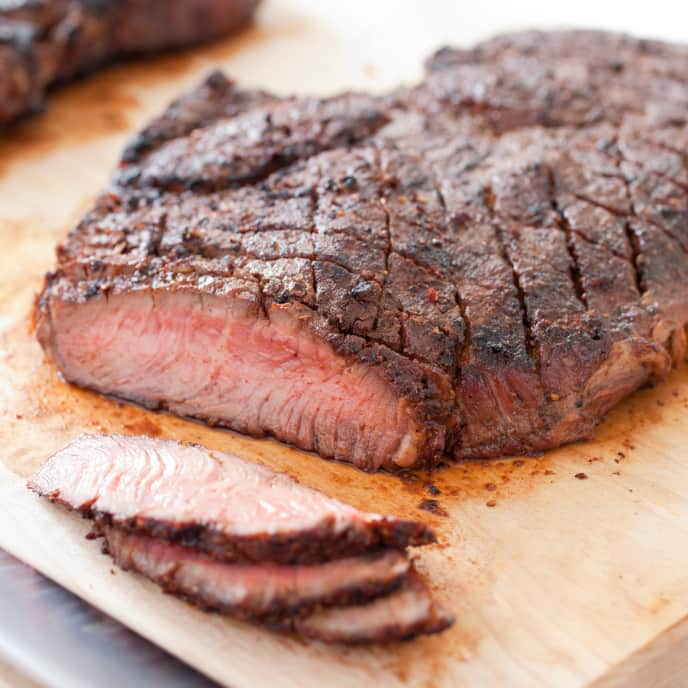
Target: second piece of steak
{"x": 47, "y": 41}
{"x": 484, "y": 263}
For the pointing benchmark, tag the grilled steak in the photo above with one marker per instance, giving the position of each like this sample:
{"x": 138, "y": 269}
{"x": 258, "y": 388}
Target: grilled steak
{"x": 47, "y": 41}
{"x": 482, "y": 264}
{"x": 222, "y": 505}
{"x": 232, "y": 537}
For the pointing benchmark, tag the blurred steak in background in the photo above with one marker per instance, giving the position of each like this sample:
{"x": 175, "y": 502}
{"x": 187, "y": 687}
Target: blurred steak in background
{"x": 47, "y": 41}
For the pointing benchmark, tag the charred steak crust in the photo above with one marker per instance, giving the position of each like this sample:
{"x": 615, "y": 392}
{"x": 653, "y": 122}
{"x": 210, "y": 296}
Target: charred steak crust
{"x": 482, "y": 264}
{"x": 43, "y": 42}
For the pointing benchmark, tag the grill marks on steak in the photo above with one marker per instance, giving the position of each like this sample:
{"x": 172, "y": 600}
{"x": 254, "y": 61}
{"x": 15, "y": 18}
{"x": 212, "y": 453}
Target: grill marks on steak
{"x": 43, "y": 42}
{"x": 236, "y": 254}
{"x": 498, "y": 389}
{"x": 237, "y": 538}
{"x": 482, "y": 264}
{"x": 222, "y": 505}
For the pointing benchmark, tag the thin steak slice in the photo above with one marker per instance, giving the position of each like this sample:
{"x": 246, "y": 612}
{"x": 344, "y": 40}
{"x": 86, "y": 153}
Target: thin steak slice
{"x": 484, "y": 263}
{"x": 402, "y": 615}
{"x": 43, "y": 42}
{"x": 263, "y": 591}
{"x": 218, "y": 503}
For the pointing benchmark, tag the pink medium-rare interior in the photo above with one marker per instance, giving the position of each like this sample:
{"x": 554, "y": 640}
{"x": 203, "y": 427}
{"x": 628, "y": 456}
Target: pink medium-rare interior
{"x": 213, "y": 358}
{"x": 178, "y": 483}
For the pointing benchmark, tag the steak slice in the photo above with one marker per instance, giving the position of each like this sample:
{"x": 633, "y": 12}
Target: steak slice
{"x": 224, "y": 506}
{"x": 43, "y": 42}
{"x": 260, "y": 592}
{"x": 405, "y": 614}
{"x": 484, "y": 263}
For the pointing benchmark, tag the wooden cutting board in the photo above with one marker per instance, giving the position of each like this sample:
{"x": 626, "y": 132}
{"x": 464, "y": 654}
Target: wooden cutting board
{"x": 566, "y": 570}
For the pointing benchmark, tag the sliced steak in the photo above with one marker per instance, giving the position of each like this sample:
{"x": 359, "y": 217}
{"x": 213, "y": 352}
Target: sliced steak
{"x": 219, "y": 504}
{"x": 263, "y": 591}
{"x": 484, "y": 263}
{"x": 236, "y": 538}
{"x": 344, "y": 601}
{"x": 47, "y": 41}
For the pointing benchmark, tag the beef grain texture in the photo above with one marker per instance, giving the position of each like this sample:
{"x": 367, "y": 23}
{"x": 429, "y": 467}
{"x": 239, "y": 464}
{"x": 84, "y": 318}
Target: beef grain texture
{"x": 47, "y": 41}
{"x": 482, "y": 264}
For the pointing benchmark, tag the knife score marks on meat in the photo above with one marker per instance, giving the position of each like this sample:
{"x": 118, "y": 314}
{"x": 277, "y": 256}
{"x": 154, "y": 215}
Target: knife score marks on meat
{"x": 482, "y": 264}
{"x": 234, "y": 537}
{"x": 43, "y": 42}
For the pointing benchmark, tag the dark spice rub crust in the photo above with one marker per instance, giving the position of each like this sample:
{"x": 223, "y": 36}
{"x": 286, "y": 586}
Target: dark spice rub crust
{"x": 43, "y": 42}
{"x": 321, "y": 543}
{"x": 482, "y": 264}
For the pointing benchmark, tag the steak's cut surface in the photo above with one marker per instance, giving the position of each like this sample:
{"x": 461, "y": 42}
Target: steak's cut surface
{"x": 48, "y": 41}
{"x": 225, "y": 506}
{"x": 234, "y": 537}
{"x": 482, "y": 264}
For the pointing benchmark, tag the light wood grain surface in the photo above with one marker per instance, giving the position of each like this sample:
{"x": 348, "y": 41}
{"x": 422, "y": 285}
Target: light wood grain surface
{"x": 565, "y": 582}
